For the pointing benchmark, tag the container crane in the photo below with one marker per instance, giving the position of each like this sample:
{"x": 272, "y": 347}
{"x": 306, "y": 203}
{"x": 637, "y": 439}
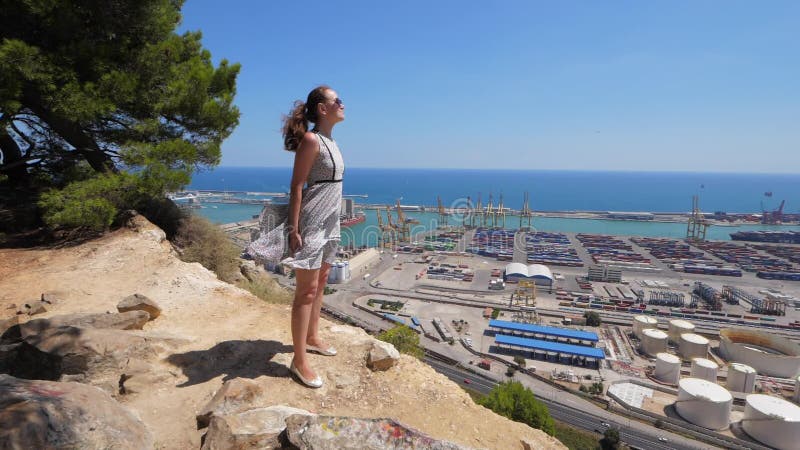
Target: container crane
{"x": 697, "y": 226}
{"x": 526, "y": 215}
{"x": 402, "y": 227}
{"x": 443, "y": 215}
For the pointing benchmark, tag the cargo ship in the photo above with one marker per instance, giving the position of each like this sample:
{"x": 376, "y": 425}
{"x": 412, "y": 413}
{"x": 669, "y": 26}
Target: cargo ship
{"x": 345, "y": 221}
{"x": 777, "y": 237}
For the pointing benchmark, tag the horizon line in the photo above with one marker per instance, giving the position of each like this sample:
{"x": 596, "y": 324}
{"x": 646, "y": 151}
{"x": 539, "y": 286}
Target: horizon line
{"x": 532, "y": 170}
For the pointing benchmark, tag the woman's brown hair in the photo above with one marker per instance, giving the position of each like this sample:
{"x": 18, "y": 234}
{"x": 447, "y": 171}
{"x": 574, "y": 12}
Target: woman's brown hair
{"x": 295, "y": 124}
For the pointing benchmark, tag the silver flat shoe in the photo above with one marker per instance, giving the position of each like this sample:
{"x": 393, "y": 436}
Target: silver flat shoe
{"x": 315, "y": 383}
{"x": 330, "y": 351}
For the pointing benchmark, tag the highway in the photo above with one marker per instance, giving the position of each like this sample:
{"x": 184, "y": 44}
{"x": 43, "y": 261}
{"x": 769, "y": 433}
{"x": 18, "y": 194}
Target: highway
{"x": 630, "y": 432}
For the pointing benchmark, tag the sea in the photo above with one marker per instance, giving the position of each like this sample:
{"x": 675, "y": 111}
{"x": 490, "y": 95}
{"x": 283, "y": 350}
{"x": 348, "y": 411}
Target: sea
{"x": 549, "y": 191}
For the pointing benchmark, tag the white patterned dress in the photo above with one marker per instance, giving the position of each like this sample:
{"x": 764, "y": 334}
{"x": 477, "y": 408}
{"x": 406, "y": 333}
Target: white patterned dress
{"x": 319, "y": 216}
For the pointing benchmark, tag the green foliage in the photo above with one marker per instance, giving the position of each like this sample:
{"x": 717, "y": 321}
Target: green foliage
{"x": 592, "y": 318}
{"x": 202, "y": 241}
{"x": 404, "y": 339}
{"x": 105, "y": 100}
{"x": 510, "y": 372}
{"x": 513, "y": 400}
{"x": 328, "y": 290}
{"x": 495, "y": 313}
{"x": 520, "y": 361}
{"x": 575, "y": 439}
{"x": 611, "y": 440}
{"x": 92, "y": 203}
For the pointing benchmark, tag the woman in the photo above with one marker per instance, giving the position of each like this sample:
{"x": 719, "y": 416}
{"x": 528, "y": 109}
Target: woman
{"x": 313, "y": 224}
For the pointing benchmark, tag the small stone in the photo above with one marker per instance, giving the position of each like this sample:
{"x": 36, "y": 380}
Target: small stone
{"x": 235, "y": 396}
{"x": 139, "y": 302}
{"x": 382, "y": 356}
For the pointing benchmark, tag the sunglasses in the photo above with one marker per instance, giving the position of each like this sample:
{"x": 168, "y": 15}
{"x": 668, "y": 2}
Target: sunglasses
{"x": 338, "y": 102}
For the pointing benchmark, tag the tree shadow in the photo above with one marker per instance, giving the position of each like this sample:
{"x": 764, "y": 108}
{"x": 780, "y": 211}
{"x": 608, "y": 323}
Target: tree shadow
{"x": 234, "y": 359}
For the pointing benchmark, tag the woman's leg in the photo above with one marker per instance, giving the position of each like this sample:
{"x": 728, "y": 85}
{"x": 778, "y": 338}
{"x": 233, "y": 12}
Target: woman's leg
{"x": 313, "y": 323}
{"x": 304, "y": 296}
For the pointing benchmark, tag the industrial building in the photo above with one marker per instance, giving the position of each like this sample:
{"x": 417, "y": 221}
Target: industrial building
{"x": 605, "y": 274}
{"x": 554, "y": 351}
{"x": 538, "y": 273}
{"x": 531, "y": 331}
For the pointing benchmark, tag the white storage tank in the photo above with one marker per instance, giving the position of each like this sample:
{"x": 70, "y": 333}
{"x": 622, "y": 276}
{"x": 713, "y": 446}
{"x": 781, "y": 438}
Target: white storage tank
{"x": 668, "y": 368}
{"x": 653, "y": 341}
{"x": 741, "y": 378}
{"x": 642, "y": 322}
{"x": 340, "y": 272}
{"x": 704, "y": 403}
{"x": 346, "y": 270}
{"x": 333, "y": 274}
{"x": 677, "y": 327}
{"x": 772, "y": 421}
{"x": 796, "y": 396}
{"x": 692, "y": 345}
{"x": 704, "y": 369}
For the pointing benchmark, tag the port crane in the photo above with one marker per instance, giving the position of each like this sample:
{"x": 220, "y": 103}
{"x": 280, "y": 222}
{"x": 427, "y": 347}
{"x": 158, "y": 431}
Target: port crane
{"x": 697, "y": 226}
{"x": 443, "y": 215}
{"x": 526, "y": 215}
{"x": 501, "y": 214}
{"x": 477, "y": 216}
{"x": 403, "y": 226}
{"x": 772, "y": 217}
{"x": 490, "y": 216}
{"x": 387, "y": 236}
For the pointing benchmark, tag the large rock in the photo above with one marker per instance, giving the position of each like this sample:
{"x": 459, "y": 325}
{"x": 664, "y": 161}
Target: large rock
{"x": 341, "y": 433}
{"x": 257, "y": 428}
{"x": 138, "y": 302}
{"x": 84, "y": 352}
{"x": 382, "y": 356}
{"x": 50, "y": 415}
{"x": 133, "y": 320}
{"x": 235, "y": 396}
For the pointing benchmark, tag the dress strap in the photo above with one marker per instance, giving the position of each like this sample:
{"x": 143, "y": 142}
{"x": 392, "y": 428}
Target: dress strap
{"x": 333, "y": 161}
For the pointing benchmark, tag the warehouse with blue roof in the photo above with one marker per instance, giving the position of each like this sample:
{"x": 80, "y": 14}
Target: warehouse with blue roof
{"x": 544, "y": 333}
{"x": 550, "y": 351}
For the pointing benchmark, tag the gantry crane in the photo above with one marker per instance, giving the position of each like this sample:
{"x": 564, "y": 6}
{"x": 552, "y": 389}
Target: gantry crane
{"x": 443, "y": 215}
{"x": 387, "y": 236}
{"x": 490, "y": 218}
{"x": 477, "y": 218}
{"x": 501, "y": 214}
{"x": 403, "y": 228}
{"x": 524, "y": 295}
{"x": 697, "y": 226}
{"x": 772, "y": 217}
{"x": 526, "y": 215}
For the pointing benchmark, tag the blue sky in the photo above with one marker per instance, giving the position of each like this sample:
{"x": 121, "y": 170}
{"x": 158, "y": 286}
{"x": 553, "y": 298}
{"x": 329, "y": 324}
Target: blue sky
{"x": 594, "y": 85}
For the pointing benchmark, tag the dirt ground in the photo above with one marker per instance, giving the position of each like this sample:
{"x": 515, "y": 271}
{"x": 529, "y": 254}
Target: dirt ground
{"x": 226, "y": 332}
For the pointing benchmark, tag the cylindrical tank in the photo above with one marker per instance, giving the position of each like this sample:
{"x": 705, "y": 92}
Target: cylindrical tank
{"x": 704, "y": 403}
{"x": 653, "y": 341}
{"x": 333, "y": 275}
{"x": 741, "y": 378}
{"x": 704, "y": 369}
{"x": 677, "y": 327}
{"x": 340, "y": 272}
{"x": 692, "y": 345}
{"x": 796, "y": 396}
{"x": 642, "y": 322}
{"x": 346, "y": 270}
{"x": 668, "y": 368}
{"x": 772, "y": 421}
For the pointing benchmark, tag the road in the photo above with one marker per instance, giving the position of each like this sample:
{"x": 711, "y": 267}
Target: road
{"x": 630, "y": 432}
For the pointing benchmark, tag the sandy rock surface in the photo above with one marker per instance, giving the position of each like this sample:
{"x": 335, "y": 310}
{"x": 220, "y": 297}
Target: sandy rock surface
{"x": 210, "y": 332}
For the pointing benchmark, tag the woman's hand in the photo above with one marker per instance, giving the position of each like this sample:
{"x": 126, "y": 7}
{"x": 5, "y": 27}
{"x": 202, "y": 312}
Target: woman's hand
{"x": 295, "y": 242}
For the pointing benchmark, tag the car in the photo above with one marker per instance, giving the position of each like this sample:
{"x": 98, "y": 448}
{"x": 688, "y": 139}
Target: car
{"x": 663, "y": 439}
{"x": 467, "y": 381}
{"x": 605, "y": 424}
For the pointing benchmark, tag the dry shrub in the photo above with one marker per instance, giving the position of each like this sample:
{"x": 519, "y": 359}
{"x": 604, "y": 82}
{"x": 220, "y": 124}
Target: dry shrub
{"x": 266, "y": 288}
{"x": 202, "y": 241}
